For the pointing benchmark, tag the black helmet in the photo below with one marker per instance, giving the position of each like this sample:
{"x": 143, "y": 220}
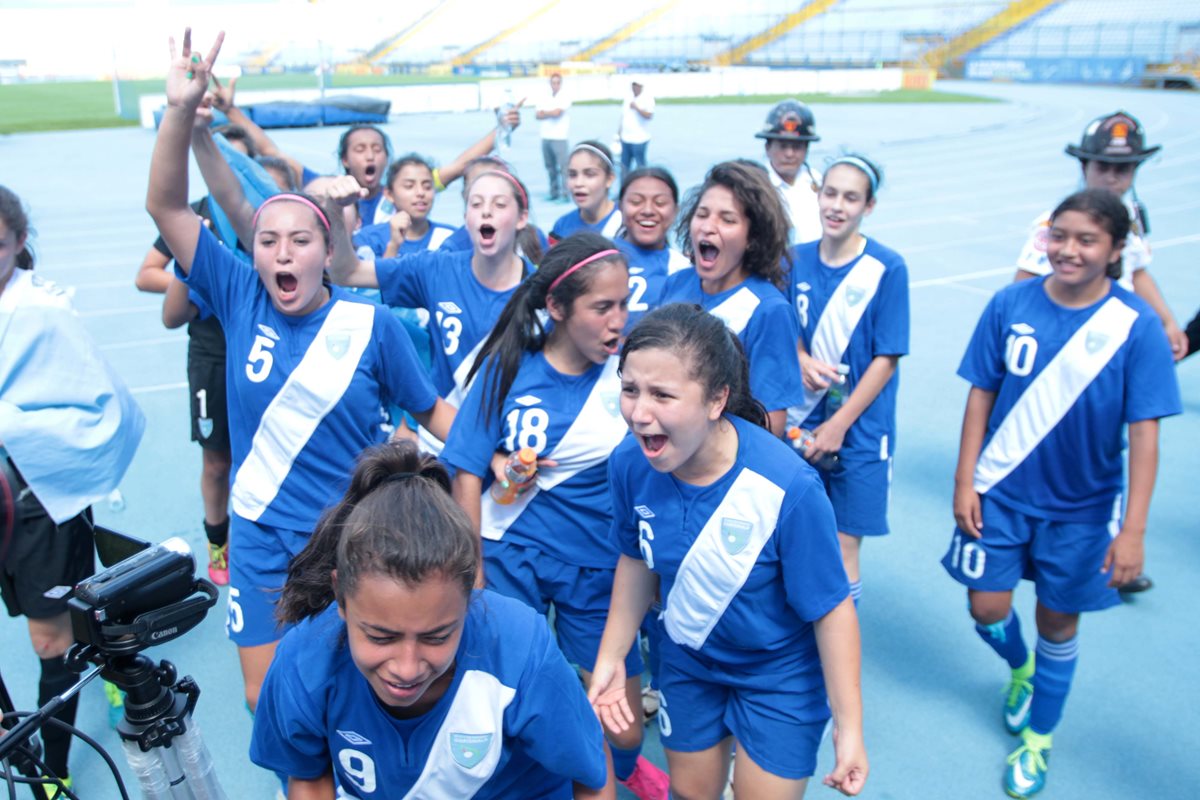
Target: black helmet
{"x": 1116, "y": 138}
{"x": 790, "y": 120}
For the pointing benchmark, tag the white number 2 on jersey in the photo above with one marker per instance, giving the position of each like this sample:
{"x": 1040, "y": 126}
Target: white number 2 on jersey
{"x": 637, "y": 291}
{"x": 260, "y": 360}
{"x": 358, "y": 767}
{"x": 527, "y": 428}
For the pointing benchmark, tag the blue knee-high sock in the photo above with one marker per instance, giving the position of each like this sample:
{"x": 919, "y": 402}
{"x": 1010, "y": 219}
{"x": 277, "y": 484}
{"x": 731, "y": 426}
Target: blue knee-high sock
{"x": 624, "y": 761}
{"x": 856, "y": 591}
{"x": 1005, "y": 638}
{"x": 1051, "y": 682}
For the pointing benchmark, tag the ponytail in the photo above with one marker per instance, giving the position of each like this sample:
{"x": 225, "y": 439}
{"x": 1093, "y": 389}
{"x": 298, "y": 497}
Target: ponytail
{"x": 396, "y": 519}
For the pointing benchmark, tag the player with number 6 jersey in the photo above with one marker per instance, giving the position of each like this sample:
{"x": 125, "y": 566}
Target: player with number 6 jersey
{"x": 557, "y": 393}
{"x": 1058, "y": 367}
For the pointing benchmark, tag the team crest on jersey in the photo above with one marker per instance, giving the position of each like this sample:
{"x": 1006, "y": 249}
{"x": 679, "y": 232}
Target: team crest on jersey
{"x": 206, "y": 427}
{"x": 735, "y": 535}
{"x": 1022, "y": 328}
{"x": 612, "y": 403}
{"x": 804, "y": 286}
{"x": 644, "y": 512}
{"x": 337, "y": 344}
{"x": 449, "y": 307}
{"x": 1095, "y": 340}
{"x": 356, "y": 739}
{"x": 527, "y": 400}
{"x": 469, "y": 749}
{"x": 268, "y": 331}
{"x": 854, "y": 295}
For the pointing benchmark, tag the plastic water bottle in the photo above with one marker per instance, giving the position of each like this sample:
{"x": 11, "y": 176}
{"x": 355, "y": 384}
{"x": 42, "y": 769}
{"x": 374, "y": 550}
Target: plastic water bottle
{"x": 502, "y": 127}
{"x": 519, "y": 469}
{"x": 116, "y": 500}
{"x": 838, "y": 391}
{"x": 802, "y": 440}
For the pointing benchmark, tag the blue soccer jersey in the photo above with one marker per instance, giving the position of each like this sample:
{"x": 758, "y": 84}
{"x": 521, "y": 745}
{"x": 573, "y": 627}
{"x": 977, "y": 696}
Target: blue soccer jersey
{"x": 375, "y": 238}
{"x": 572, "y": 222}
{"x": 305, "y": 393}
{"x": 763, "y": 320}
{"x": 1067, "y": 380}
{"x": 514, "y": 722}
{"x": 746, "y": 564}
{"x": 573, "y": 419}
{"x": 648, "y": 272}
{"x": 849, "y": 315}
{"x": 462, "y": 310}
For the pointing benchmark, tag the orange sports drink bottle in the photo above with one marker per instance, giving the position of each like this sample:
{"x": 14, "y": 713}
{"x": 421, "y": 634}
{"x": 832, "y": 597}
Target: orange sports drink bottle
{"x": 802, "y": 440}
{"x": 519, "y": 469}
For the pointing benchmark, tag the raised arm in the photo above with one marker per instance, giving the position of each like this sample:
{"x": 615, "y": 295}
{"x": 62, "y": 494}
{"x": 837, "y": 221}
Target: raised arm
{"x": 453, "y": 171}
{"x": 167, "y": 194}
{"x": 346, "y": 268}
{"x": 264, "y": 145}
{"x": 223, "y": 185}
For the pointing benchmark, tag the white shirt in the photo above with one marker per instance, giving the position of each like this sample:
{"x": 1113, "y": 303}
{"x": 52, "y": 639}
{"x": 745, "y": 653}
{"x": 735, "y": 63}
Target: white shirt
{"x": 635, "y": 129}
{"x": 555, "y": 127}
{"x": 800, "y": 200}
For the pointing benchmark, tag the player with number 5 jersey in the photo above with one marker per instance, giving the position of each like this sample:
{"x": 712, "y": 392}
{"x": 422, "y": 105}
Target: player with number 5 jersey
{"x": 309, "y": 368}
{"x": 1058, "y": 367}
{"x": 557, "y": 393}
{"x": 739, "y": 539}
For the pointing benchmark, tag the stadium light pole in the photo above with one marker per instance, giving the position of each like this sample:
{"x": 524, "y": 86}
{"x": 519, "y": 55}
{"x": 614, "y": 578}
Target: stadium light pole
{"x": 116, "y": 82}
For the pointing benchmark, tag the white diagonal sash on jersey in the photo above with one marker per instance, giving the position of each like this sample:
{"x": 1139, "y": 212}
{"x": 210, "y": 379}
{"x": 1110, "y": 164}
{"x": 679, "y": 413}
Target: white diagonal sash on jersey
{"x": 438, "y": 236}
{"x": 597, "y": 429}
{"x": 838, "y": 322}
{"x": 1051, "y": 394}
{"x": 310, "y": 392}
{"x": 719, "y": 561}
{"x": 613, "y": 226}
{"x": 427, "y": 441}
{"x": 735, "y": 311}
{"x": 470, "y": 741}
{"x": 677, "y": 261}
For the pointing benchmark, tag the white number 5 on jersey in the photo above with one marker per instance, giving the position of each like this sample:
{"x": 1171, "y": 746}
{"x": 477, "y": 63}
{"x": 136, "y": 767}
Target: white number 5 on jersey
{"x": 260, "y": 360}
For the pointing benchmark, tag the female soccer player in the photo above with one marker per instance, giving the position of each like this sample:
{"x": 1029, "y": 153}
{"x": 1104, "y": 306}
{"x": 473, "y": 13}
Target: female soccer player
{"x": 851, "y": 295}
{"x": 464, "y": 291}
{"x": 411, "y": 190}
{"x": 649, "y": 202}
{"x": 398, "y": 679}
{"x": 735, "y": 231}
{"x": 318, "y": 365}
{"x": 590, "y": 175}
{"x": 1058, "y": 367}
{"x": 555, "y": 392}
{"x": 737, "y": 535}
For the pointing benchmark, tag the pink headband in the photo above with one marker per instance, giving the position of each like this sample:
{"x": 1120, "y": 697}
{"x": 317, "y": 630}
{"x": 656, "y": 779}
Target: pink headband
{"x": 511, "y": 179}
{"x": 584, "y": 263}
{"x": 298, "y": 198}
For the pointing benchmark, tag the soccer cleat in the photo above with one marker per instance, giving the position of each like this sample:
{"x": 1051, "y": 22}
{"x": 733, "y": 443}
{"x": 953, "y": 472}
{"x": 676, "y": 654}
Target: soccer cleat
{"x": 649, "y": 704}
{"x": 647, "y": 782}
{"x": 116, "y": 704}
{"x": 1025, "y": 775}
{"x": 1139, "y": 584}
{"x": 52, "y": 790}
{"x": 218, "y": 564}
{"x": 1018, "y": 697}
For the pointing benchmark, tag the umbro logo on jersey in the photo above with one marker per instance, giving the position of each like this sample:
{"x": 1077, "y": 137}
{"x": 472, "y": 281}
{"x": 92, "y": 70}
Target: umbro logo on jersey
{"x": 469, "y": 749}
{"x": 449, "y": 307}
{"x": 636, "y": 270}
{"x": 644, "y": 512}
{"x": 268, "y": 331}
{"x": 1022, "y": 328}
{"x": 354, "y": 738}
{"x": 527, "y": 400}
{"x": 804, "y": 286}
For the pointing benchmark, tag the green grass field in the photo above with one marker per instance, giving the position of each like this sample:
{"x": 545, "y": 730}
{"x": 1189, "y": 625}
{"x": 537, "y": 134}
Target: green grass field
{"x": 72, "y": 105}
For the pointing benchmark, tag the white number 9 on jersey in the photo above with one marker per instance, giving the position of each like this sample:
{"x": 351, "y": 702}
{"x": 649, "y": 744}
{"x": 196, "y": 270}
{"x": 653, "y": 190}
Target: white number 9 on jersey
{"x": 359, "y": 768}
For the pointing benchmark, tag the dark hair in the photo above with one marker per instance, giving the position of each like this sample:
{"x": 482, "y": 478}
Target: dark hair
{"x": 591, "y": 146}
{"x": 332, "y": 214}
{"x": 236, "y": 133}
{"x": 275, "y": 162}
{"x": 344, "y": 142}
{"x": 658, "y": 173}
{"x": 1106, "y": 210}
{"x": 397, "y": 520}
{"x": 408, "y": 159}
{"x": 17, "y": 221}
{"x": 520, "y": 328}
{"x": 712, "y": 353}
{"x": 767, "y": 243}
{"x": 874, "y": 181}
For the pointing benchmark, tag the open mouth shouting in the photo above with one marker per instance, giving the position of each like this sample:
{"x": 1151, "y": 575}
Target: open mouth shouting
{"x": 707, "y": 254}
{"x": 286, "y": 283}
{"x": 653, "y": 444}
{"x": 487, "y": 235}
